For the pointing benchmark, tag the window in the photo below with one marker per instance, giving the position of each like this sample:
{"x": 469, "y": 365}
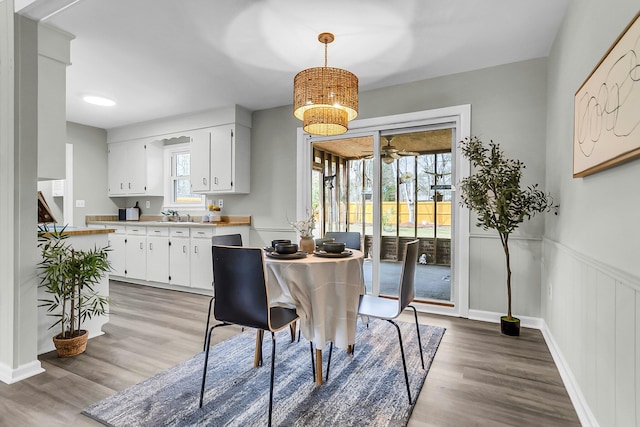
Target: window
{"x": 178, "y": 187}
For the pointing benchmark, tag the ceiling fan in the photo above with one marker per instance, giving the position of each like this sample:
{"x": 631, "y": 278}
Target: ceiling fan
{"x": 389, "y": 153}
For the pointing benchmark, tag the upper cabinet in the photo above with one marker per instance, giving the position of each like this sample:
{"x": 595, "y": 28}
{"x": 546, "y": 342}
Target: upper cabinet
{"x": 221, "y": 160}
{"x": 220, "y": 147}
{"x": 53, "y": 59}
{"x": 135, "y": 168}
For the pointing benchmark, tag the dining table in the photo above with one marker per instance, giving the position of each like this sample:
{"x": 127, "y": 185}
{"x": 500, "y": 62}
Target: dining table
{"x": 325, "y": 290}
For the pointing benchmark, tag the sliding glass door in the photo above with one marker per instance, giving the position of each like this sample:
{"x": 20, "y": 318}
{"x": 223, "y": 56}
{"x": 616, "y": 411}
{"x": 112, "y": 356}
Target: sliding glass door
{"x": 391, "y": 195}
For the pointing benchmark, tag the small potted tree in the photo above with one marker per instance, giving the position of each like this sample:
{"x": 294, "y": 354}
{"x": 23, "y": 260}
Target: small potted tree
{"x": 69, "y": 276}
{"x": 493, "y": 192}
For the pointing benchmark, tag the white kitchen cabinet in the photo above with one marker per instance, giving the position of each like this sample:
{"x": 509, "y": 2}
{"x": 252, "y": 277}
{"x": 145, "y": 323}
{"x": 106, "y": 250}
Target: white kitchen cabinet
{"x": 117, "y": 256}
{"x": 179, "y": 251}
{"x": 136, "y": 253}
{"x": 228, "y": 162}
{"x": 158, "y": 254}
{"x": 135, "y": 168}
{"x": 200, "y": 148}
{"x": 201, "y": 263}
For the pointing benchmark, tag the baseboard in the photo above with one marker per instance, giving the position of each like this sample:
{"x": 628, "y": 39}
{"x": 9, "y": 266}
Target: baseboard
{"x": 493, "y": 317}
{"x": 10, "y": 376}
{"x": 587, "y": 419}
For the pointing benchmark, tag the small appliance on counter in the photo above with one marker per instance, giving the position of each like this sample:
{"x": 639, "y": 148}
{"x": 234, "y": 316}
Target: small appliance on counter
{"x": 128, "y": 214}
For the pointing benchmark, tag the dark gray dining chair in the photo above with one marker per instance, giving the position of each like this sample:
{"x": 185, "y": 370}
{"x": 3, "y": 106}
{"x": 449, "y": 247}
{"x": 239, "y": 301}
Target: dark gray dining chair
{"x": 389, "y": 309}
{"x": 242, "y": 298}
{"x": 226, "y": 240}
{"x": 351, "y": 239}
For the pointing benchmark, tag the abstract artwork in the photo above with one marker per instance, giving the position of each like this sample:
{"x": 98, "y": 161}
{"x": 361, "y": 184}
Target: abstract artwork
{"x": 607, "y": 108}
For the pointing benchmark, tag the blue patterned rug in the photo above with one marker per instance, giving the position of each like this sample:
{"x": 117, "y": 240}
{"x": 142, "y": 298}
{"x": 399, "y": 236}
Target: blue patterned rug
{"x": 364, "y": 389}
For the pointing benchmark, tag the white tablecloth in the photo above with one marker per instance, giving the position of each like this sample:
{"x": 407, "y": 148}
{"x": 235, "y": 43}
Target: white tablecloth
{"x": 324, "y": 291}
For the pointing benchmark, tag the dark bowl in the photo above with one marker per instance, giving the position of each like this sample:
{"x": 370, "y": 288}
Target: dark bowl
{"x": 334, "y": 247}
{"x": 275, "y": 242}
{"x": 286, "y": 248}
{"x": 320, "y": 242}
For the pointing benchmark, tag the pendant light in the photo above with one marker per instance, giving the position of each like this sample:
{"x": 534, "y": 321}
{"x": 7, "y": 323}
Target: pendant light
{"x": 325, "y": 98}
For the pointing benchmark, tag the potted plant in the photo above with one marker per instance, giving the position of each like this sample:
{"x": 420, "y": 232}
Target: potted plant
{"x": 494, "y": 193}
{"x": 69, "y": 276}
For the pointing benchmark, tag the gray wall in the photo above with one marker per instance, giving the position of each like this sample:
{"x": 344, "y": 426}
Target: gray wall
{"x": 591, "y": 278}
{"x": 90, "y": 172}
{"x": 508, "y": 106}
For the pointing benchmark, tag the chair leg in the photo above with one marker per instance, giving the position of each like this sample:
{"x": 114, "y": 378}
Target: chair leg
{"x": 206, "y": 359}
{"x": 326, "y": 378}
{"x": 404, "y": 363}
{"x": 313, "y": 365}
{"x": 415, "y": 314}
{"x": 208, "y": 319}
{"x": 273, "y": 360}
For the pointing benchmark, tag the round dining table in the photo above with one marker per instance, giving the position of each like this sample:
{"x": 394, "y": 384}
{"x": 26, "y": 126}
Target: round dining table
{"x": 325, "y": 291}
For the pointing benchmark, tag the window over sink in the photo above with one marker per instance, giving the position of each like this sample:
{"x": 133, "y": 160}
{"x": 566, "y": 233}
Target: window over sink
{"x": 178, "y": 184}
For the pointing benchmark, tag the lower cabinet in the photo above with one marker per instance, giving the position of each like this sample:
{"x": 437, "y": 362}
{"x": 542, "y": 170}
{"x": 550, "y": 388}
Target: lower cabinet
{"x": 179, "y": 248}
{"x": 179, "y": 256}
{"x": 201, "y": 263}
{"x": 157, "y": 254}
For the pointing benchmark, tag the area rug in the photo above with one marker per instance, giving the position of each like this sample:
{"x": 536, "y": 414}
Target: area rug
{"x": 366, "y": 388}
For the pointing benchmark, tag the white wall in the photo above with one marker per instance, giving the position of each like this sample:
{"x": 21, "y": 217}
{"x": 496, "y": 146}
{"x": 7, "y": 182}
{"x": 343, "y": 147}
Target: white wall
{"x": 591, "y": 279}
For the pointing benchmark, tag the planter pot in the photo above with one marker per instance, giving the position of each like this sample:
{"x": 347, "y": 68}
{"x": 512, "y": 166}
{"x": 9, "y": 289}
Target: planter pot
{"x": 510, "y": 327}
{"x": 68, "y": 347}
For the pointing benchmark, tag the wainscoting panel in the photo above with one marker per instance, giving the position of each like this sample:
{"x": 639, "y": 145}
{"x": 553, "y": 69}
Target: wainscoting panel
{"x": 591, "y": 312}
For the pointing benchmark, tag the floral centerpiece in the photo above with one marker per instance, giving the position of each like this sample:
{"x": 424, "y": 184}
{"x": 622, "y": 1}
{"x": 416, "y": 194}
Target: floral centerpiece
{"x": 305, "y": 228}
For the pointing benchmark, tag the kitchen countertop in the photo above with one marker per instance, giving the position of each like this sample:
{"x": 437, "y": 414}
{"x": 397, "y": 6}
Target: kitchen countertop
{"x": 76, "y": 231}
{"x": 227, "y": 221}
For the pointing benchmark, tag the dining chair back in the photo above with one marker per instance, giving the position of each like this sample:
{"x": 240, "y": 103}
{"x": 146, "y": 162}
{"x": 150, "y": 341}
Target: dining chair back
{"x": 351, "y": 239}
{"x": 242, "y": 298}
{"x": 227, "y": 240}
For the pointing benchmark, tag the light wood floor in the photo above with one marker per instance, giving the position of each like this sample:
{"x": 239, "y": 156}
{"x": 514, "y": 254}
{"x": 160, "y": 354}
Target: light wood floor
{"x": 478, "y": 377}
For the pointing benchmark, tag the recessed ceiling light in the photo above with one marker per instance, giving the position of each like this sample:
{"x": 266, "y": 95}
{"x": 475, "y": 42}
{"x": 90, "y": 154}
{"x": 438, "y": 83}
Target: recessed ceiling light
{"x": 99, "y": 100}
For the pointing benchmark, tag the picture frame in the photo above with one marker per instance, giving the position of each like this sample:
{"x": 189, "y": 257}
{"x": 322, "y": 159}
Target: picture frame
{"x": 606, "y": 129}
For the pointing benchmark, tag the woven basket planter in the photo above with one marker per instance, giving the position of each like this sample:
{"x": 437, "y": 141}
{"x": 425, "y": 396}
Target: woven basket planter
{"x": 68, "y": 347}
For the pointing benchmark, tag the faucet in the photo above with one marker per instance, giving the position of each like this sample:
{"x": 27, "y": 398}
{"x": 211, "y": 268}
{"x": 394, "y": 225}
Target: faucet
{"x": 188, "y": 218}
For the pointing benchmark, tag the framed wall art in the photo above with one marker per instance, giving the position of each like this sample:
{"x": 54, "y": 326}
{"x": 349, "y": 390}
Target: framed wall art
{"x": 606, "y": 130}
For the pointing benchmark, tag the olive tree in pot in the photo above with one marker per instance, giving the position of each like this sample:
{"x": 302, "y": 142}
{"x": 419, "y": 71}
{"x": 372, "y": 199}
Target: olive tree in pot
{"x": 69, "y": 276}
{"x": 494, "y": 193}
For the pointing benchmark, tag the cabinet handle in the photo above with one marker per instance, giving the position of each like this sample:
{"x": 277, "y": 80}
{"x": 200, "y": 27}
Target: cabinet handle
{"x": 121, "y": 187}
{"x": 215, "y": 180}
{"x": 129, "y": 186}
{"x": 150, "y": 246}
{"x": 195, "y": 250}
{"x": 204, "y": 181}
{"x": 184, "y": 249}
{"x": 141, "y": 247}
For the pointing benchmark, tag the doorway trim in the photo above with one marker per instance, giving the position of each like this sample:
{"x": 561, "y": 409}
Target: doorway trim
{"x": 459, "y": 117}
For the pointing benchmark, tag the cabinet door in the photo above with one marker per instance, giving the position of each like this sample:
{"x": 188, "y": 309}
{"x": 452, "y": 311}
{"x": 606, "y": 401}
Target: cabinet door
{"x": 201, "y": 264}
{"x": 117, "y": 255}
{"x": 179, "y": 261}
{"x": 116, "y": 168}
{"x": 136, "y": 254}
{"x": 200, "y": 148}
{"x": 136, "y": 167}
{"x": 158, "y": 259}
{"x": 221, "y": 158}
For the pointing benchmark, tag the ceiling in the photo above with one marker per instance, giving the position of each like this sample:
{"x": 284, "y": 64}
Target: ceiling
{"x": 159, "y": 58}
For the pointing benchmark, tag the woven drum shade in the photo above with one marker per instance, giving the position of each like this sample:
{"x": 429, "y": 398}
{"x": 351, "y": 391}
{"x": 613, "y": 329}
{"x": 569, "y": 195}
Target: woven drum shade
{"x": 325, "y": 99}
